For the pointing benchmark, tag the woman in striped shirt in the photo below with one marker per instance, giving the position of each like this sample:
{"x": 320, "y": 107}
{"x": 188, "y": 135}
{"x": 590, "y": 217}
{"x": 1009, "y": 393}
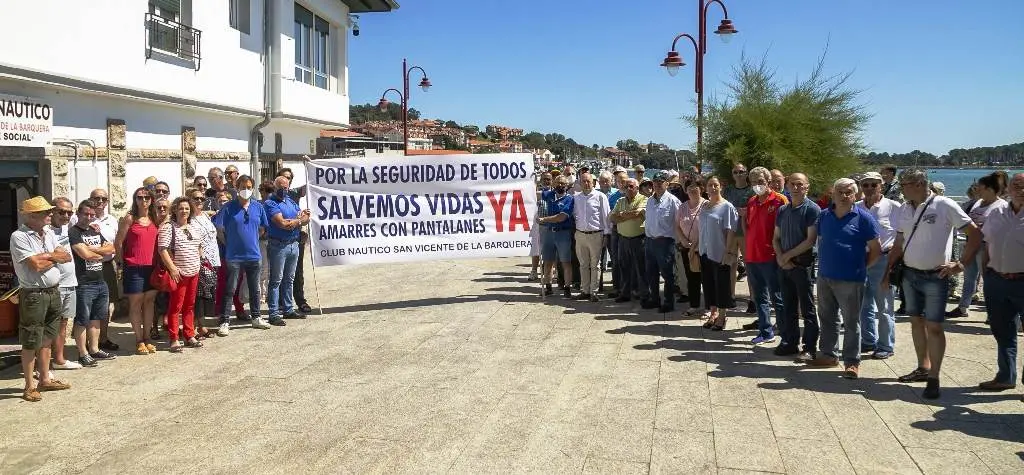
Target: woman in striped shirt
{"x": 180, "y": 244}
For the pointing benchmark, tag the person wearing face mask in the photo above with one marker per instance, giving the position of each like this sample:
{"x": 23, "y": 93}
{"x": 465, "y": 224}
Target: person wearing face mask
{"x": 242, "y": 222}
{"x": 286, "y": 219}
{"x": 762, "y": 209}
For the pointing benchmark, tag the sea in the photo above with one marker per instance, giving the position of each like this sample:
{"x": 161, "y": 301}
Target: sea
{"x": 958, "y": 180}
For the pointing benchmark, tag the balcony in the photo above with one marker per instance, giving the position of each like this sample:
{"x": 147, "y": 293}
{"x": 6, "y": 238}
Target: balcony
{"x": 170, "y": 39}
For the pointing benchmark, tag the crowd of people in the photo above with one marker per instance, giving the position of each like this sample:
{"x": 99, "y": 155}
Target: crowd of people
{"x": 178, "y": 262}
{"x": 828, "y": 269}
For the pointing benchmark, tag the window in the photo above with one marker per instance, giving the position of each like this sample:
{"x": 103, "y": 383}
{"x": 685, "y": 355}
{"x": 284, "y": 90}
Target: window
{"x": 238, "y": 15}
{"x": 168, "y": 24}
{"x": 312, "y": 48}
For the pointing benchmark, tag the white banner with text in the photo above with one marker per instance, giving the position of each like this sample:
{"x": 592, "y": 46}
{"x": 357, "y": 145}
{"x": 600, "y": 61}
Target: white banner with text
{"x": 25, "y": 122}
{"x": 418, "y": 208}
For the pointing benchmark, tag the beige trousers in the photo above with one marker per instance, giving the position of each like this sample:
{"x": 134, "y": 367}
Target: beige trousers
{"x": 588, "y": 250}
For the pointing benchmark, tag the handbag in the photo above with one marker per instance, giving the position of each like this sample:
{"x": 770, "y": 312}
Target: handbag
{"x": 161, "y": 279}
{"x": 694, "y": 257}
{"x": 898, "y": 268}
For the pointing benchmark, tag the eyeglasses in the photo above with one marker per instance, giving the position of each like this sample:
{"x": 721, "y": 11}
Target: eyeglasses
{"x": 65, "y": 212}
{"x": 214, "y": 177}
{"x": 198, "y": 198}
{"x": 869, "y": 185}
{"x": 201, "y": 185}
{"x": 102, "y": 199}
{"x": 739, "y": 172}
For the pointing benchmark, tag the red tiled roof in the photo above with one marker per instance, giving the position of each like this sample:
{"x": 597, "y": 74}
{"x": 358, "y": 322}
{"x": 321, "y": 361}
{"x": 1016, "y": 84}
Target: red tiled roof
{"x": 340, "y": 133}
{"x": 437, "y": 152}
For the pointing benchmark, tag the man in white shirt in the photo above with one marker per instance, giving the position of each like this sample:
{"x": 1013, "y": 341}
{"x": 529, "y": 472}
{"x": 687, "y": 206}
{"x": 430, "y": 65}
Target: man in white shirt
{"x": 660, "y": 244}
{"x": 877, "y": 320}
{"x": 590, "y": 208}
{"x": 924, "y": 241}
{"x": 1004, "y": 282}
{"x": 68, "y": 282}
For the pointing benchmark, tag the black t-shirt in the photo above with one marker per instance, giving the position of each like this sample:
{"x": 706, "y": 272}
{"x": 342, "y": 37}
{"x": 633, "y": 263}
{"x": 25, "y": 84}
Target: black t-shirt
{"x": 87, "y": 271}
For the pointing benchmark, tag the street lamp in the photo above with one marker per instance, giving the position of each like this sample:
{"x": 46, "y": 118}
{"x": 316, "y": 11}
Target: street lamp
{"x": 673, "y": 61}
{"x": 404, "y": 96}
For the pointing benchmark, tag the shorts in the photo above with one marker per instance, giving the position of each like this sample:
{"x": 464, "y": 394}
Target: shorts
{"x": 925, "y": 294}
{"x": 136, "y": 279}
{"x": 39, "y": 315}
{"x": 535, "y": 241}
{"x": 91, "y": 303}
{"x": 67, "y": 303}
{"x": 556, "y": 244}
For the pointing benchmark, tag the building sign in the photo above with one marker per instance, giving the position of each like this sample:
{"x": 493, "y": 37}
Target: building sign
{"x": 400, "y": 209}
{"x": 25, "y": 122}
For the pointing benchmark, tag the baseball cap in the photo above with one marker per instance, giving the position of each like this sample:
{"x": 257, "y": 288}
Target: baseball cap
{"x": 661, "y": 176}
{"x": 619, "y": 169}
{"x": 871, "y": 176}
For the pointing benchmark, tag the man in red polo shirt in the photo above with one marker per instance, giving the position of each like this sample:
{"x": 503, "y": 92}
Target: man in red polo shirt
{"x": 760, "y": 254}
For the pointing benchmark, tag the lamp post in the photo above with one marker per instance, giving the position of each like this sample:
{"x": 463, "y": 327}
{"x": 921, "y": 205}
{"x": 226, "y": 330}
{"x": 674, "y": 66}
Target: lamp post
{"x": 404, "y": 96}
{"x": 673, "y": 61}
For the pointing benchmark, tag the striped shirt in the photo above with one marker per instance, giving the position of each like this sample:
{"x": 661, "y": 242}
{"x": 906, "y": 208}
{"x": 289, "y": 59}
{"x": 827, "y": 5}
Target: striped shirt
{"x": 185, "y": 253}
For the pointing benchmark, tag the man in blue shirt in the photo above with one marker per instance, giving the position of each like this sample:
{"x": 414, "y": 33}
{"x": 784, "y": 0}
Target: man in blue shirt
{"x": 242, "y": 222}
{"x": 286, "y": 220}
{"x": 848, "y": 246}
{"x": 559, "y": 226}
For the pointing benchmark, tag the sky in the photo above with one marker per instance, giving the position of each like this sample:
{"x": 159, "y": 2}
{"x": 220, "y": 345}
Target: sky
{"x": 935, "y": 74}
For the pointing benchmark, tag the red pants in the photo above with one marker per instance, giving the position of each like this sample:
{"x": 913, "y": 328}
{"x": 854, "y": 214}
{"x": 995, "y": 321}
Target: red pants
{"x": 222, "y": 276}
{"x": 182, "y": 301}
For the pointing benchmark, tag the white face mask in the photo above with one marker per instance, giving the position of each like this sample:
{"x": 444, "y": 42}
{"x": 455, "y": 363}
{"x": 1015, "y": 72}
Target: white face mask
{"x": 245, "y": 194}
{"x": 760, "y": 189}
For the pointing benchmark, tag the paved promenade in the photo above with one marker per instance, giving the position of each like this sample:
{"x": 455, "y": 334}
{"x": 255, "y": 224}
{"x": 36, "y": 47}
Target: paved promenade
{"x": 458, "y": 366}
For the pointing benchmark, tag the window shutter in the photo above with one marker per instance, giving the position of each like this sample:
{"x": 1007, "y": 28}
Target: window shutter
{"x": 244, "y": 13}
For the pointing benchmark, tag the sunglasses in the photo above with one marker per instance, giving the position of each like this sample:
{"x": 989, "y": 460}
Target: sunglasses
{"x": 65, "y": 212}
{"x": 214, "y": 177}
{"x": 162, "y": 192}
{"x": 143, "y": 197}
{"x": 739, "y": 172}
{"x": 102, "y": 199}
{"x": 201, "y": 185}
{"x": 198, "y": 198}
{"x": 869, "y": 185}
{"x": 161, "y": 208}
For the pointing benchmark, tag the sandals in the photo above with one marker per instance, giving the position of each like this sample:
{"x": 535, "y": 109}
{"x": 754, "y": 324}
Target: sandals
{"x": 141, "y": 348}
{"x": 719, "y": 323}
{"x": 710, "y": 321}
{"x": 916, "y": 376}
{"x": 53, "y": 385}
{"x": 176, "y": 348}
{"x": 32, "y": 396}
{"x": 193, "y": 343}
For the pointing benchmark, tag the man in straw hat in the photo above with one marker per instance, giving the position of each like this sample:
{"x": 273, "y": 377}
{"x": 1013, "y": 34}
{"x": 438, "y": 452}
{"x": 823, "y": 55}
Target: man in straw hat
{"x": 36, "y": 254}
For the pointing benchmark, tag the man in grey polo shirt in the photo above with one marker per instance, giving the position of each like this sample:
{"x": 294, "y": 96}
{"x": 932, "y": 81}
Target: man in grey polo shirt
{"x": 795, "y": 235}
{"x": 35, "y": 252}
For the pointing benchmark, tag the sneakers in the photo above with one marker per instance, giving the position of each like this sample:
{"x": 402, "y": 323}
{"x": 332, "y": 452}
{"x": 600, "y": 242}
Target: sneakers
{"x": 824, "y": 362}
{"x": 277, "y": 322}
{"x": 956, "y": 313}
{"x": 102, "y": 355}
{"x": 915, "y": 376}
{"x": 532, "y": 277}
{"x": 931, "y": 389}
{"x": 804, "y": 357}
{"x": 244, "y": 317}
{"x": 595, "y": 298}
{"x": 852, "y": 371}
{"x": 548, "y": 290}
{"x": 882, "y": 355}
{"x": 87, "y": 361}
{"x": 109, "y": 346}
{"x": 760, "y": 340}
{"x": 68, "y": 364}
{"x": 260, "y": 324}
{"x": 223, "y": 329}
{"x": 785, "y": 350}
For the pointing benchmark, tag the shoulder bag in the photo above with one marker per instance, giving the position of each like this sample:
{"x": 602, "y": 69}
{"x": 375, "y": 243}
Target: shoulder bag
{"x": 898, "y": 268}
{"x": 160, "y": 279}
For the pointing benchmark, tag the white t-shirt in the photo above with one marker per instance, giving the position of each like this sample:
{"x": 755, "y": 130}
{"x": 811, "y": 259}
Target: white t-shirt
{"x": 932, "y": 244}
{"x": 885, "y": 212}
{"x": 1004, "y": 237}
{"x": 978, "y": 213}
{"x": 68, "y": 278}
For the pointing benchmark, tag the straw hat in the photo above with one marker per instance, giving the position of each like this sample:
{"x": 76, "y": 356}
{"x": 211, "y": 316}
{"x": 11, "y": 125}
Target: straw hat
{"x": 35, "y": 205}
{"x": 151, "y": 181}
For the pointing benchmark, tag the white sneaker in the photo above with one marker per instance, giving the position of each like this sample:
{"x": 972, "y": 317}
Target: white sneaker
{"x": 258, "y": 322}
{"x": 532, "y": 277}
{"x": 223, "y": 329}
{"x": 67, "y": 365}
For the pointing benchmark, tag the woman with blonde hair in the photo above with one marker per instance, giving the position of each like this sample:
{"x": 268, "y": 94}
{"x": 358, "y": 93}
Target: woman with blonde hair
{"x": 180, "y": 245}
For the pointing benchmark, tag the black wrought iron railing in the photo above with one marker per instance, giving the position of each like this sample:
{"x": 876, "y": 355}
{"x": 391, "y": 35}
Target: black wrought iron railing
{"x": 171, "y": 37}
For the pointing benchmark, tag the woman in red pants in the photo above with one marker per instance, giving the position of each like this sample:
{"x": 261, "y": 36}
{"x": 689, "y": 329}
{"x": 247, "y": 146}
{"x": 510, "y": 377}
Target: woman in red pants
{"x": 180, "y": 244}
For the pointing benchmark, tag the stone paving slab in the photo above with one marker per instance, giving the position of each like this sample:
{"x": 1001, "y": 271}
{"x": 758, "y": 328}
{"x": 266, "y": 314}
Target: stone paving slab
{"x": 460, "y": 367}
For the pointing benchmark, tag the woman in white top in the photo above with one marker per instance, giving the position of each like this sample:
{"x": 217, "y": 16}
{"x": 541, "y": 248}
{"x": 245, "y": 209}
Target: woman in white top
{"x": 719, "y": 221}
{"x": 206, "y": 290}
{"x": 180, "y": 246}
{"x": 988, "y": 189}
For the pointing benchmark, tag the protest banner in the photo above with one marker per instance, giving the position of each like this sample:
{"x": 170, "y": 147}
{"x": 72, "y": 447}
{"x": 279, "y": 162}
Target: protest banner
{"x": 417, "y": 208}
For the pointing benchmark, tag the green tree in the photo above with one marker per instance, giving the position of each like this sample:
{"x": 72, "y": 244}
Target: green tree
{"x": 813, "y": 127}
{"x": 534, "y": 140}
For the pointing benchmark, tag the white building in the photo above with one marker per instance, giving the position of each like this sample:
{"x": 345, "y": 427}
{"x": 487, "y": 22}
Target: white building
{"x": 103, "y": 93}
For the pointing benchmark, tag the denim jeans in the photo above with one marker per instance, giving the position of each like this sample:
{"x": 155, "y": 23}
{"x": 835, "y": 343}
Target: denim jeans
{"x": 661, "y": 255}
{"x": 764, "y": 284}
{"x": 91, "y": 302}
{"x": 797, "y": 300}
{"x": 1004, "y": 302}
{"x": 252, "y": 279}
{"x": 877, "y": 317}
{"x": 283, "y": 257}
{"x": 925, "y": 294}
{"x": 630, "y": 262}
{"x": 835, "y": 296}
{"x": 971, "y": 273}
